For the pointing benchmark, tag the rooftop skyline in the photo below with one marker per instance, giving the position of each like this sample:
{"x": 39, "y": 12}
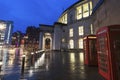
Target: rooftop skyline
{"x": 26, "y": 13}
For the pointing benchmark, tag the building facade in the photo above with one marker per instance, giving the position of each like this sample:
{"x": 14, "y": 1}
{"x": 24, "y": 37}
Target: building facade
{"x": 46, "y": 37}
{"x": 81, "y": 19}
{"x": 79, "y": 23}
{"x": 16, "y": 38}
{"x": 106, "y": 14}
{"x": 6, "y": 28}
{"x": 73, "y": 24}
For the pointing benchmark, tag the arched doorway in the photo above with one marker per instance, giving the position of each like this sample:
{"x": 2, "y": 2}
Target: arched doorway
{"x": 47, "y": 43}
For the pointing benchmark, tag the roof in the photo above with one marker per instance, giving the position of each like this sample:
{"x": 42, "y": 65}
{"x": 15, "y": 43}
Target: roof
{"x": 59, "y": 23}
{"x": 45, "y": 25}
{"x": 71, "y": 6}
{"x": 6, "y": 21}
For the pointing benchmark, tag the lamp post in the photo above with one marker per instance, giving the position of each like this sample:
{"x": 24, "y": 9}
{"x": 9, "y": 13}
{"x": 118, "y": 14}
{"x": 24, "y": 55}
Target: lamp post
{"x": 23, "y": 64}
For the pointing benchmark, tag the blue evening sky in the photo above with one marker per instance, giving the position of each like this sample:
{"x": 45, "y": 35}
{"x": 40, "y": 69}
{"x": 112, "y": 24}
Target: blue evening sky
{"x": 32, "y": 12}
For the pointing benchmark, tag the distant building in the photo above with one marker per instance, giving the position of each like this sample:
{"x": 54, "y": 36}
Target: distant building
{"x": 17, "y": 38}
{"x": 6, "y": 28}
{"x": 31, "y": 39}
{"x": 79, "y": 20}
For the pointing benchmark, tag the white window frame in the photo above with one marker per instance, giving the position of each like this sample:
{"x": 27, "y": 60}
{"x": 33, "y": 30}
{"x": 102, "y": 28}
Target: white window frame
{"x": 80, "y": 43}
{"x": 85, "y": 10}
{"x": 71, "y": 44}
{"x": 79, "y": 13}
{"x": 81, "y": 30}
{"x": 71, "y": 32}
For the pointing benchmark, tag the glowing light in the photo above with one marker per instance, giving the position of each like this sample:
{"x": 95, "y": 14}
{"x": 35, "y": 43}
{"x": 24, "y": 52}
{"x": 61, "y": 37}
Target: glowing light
{"x": 81, "y": 43}
{"x": 32, "y": 52}
{"x": 1, "y": 63}
{"x": 2, "y": 26}
{"x": 40, "y": 61}
{"x": 81, "y": 58}
{"x": 71, "y": 44}
{"x": 71, "y": 32}
{"x": 72, "y": 57}
{"x": 23, "y": 55}
{"x": 30, "y": 72}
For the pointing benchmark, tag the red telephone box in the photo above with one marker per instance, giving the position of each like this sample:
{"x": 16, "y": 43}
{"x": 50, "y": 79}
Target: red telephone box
{"x": 108, "y": 49}
{"x": 90, "y": 52}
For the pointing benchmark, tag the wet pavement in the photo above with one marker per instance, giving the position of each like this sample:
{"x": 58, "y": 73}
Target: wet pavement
{"x": 51, "y": 65}
{"x": 67, "y": 66}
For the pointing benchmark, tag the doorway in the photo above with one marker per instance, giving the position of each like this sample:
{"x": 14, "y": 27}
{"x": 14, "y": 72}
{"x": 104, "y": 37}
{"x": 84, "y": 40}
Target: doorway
{"x": 47, "y": 43}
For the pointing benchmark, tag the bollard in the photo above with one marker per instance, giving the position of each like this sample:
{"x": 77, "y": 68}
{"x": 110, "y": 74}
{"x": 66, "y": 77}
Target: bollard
{"x": 23, "y": 63}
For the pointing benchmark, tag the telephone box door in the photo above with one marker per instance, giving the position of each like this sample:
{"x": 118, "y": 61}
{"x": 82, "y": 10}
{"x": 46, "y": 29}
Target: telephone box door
{"x": 90, "y": 52}
{"x": 108, "y": 48}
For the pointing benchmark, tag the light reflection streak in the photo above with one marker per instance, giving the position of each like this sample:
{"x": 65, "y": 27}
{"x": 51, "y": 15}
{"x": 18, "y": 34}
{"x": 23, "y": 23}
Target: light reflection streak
{"x": 72, "y": 61}
{"x": 81, "y": 57}
{"x": 40, "y": 61}
{"x": 30, "y": 72}
{"x": 72, "y": 57}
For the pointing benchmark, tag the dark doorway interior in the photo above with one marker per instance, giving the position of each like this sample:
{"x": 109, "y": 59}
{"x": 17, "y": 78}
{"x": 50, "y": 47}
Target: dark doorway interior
{"x": 47, "y": 43}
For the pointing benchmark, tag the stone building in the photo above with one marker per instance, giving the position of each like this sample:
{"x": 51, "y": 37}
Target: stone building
{"x": 79, "y": 20}
{"x": 106, "y": 13}
{"x": 73, "y": 24}
{"x": 46, "y": 37}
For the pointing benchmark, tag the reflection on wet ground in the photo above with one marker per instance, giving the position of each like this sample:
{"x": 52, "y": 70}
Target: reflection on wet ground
{"x": 67, "y": 66}
{"x": 51, "y": 65}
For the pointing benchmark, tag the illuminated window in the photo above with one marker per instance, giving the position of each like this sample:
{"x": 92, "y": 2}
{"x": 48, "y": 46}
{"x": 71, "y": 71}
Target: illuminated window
{"x": 81, "y": 30}
{"x": 81, "y": 43}
{"x": 85, "y": 10}
{"x": 63, "y": 19}
{"x": 90, "y": 7}
{"x": 79, "y": 12}
{"x": 71, "y": 44}
{"x": 2, "y": 26}
{"x": 63, "y": 40}
{"x": 71, "y": 32}
{"x": 91, "y": 29}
